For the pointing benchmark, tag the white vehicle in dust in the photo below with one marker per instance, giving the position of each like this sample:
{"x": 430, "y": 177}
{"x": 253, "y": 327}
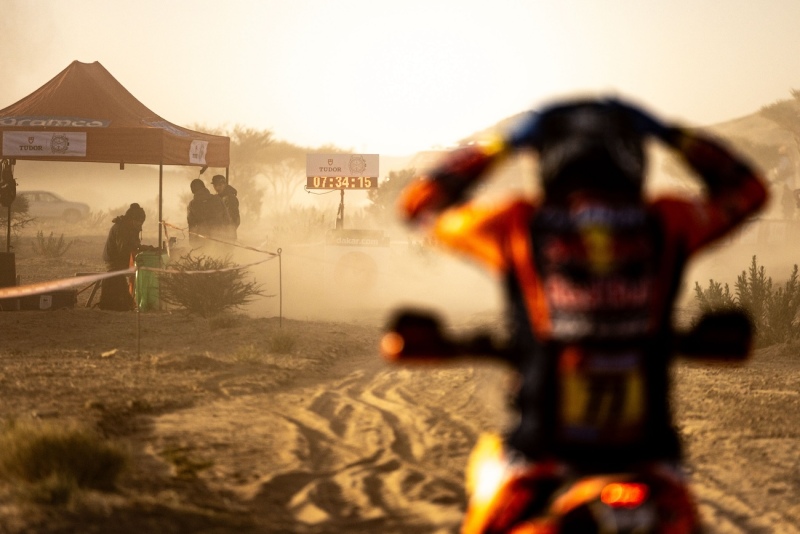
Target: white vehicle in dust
{"x": 49, "y": 205}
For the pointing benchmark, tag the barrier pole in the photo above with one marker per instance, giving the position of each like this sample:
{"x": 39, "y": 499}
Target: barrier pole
{"x": 138, "y": 317}
{"x": 280, "y": 289}
{"x": 8, "y": 234}
{"x": 160, "y": 203}
{"x": 138, "y": 335}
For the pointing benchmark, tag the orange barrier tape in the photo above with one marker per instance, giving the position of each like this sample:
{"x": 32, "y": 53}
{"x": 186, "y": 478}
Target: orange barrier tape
{"x": 166, "y": 224}
{"x": 66, "y": 283}
{"x": 56, "y": 285}
{"x": 236, "y": 268}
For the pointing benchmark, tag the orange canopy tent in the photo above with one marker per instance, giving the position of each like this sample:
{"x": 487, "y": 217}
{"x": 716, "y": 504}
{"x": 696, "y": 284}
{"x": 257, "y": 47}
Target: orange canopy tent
{"x": 85, "y": 114}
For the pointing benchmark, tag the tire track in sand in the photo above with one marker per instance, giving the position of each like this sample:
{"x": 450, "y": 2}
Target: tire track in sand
{"x": 400, "y": 476}
{"x": 384, "y": 448}
{"x": 381, "y": 448}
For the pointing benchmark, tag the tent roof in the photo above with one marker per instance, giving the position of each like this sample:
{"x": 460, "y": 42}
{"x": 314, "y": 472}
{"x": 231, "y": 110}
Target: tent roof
{"x": 85, "y": 114}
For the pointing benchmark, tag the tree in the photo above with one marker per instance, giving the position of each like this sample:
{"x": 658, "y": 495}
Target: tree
{"x": 249, "y": 152}
{"x": 283, "y": 180}
{"x": 19, "y": 216}
{"x": 263, "y": 169}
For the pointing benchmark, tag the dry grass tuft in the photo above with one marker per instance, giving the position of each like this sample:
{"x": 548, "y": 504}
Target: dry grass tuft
{"x": 184, "y": 462}
{"x": 50, "y": 246}
{"x": 48, "y": 462}
{"x": 225, "y": 320}
{"x": 281, "y": 342}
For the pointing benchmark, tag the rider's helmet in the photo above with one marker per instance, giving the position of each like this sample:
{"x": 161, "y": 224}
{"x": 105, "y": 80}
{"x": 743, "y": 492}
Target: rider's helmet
{"x": 590, "y": 146}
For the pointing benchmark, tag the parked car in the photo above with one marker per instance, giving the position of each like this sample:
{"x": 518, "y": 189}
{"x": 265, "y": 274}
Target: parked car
{"x": 49, "y": 205}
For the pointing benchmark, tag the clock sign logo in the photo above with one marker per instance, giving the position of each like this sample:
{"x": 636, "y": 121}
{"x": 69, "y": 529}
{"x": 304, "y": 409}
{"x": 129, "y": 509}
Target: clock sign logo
{"x": 357, "y": 164}
{"x": 59, "y": 143}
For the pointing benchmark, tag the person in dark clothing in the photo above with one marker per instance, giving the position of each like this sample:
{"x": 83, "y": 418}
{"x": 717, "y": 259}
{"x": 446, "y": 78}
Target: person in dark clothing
{"x": 228, "y": 196}
{"x": 121, "y": 246}
{"x": 592, "y": 269}
{"x": 205, "y": 214}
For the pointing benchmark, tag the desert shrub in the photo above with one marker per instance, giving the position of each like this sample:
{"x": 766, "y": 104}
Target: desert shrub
{"x": 207, "y": 286}
{"x": 753, "y": 291}
{"x": 281, "y": 342}
{"x": 50, "y": 247}
{"x": 772, "y": 309}
{"x": 48, "y": 462}
{"x": 715, "y": 297}
{"x": 95, "y": 219}
{"x": 779, "y": 324}
{"x": 248, "y": 354}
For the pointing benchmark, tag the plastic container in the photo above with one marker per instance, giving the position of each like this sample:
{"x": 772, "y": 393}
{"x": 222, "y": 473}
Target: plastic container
{"x": 146, "y": 286}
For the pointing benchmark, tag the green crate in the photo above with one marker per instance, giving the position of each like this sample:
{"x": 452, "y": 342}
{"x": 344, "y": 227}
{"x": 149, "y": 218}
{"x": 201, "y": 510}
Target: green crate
{"x": 146, "y": 287}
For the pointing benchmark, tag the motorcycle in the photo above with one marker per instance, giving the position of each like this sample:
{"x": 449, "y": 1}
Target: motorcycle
{"x": 509, "y": 496}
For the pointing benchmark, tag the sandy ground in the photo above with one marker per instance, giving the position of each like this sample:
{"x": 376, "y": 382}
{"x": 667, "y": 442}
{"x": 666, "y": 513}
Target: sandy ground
{"x": 227, "y": 436}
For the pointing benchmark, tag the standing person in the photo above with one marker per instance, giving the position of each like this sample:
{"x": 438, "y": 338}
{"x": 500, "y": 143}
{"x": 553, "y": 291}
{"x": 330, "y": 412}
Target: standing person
{"x": 591, "y": 269}
{"x": 124, "y": 240}
{"x": 228, "y": 196}
{"x": 205, "y": 214}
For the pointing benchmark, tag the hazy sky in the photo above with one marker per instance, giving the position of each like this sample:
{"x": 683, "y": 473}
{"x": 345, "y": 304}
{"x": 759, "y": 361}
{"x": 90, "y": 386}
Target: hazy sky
{"x": 394, "y": 77}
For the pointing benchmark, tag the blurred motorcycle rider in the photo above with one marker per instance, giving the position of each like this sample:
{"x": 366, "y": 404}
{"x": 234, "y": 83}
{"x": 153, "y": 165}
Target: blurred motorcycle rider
{"x": 591, "y": 270}
{"x": 121, "y": 246}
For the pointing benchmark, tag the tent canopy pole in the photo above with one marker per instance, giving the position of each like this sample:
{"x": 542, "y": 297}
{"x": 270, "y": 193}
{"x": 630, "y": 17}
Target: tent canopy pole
{"x": 160, "y": 203}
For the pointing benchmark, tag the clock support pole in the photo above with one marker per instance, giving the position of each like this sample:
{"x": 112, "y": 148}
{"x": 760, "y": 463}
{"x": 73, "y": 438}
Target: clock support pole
{"x": 340, "y": 213}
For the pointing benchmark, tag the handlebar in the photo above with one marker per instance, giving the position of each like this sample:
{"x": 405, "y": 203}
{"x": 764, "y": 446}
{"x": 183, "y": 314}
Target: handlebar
{"x": 417, "y": 336}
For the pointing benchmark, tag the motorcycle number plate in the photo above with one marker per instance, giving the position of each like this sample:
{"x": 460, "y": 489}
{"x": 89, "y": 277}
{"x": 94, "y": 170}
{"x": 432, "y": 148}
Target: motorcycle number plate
{"x": 638, "y": 519}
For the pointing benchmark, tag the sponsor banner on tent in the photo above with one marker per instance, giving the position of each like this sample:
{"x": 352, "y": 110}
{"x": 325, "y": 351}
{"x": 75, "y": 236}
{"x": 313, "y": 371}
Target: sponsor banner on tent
{"x": 197, "y": 152}
{"x": 44, "y": 144}
{"x": 54, "y": 122}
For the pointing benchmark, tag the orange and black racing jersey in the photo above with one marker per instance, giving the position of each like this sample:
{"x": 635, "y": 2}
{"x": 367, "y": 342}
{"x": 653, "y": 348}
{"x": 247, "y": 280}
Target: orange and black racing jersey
{"x": 590, "y": 283}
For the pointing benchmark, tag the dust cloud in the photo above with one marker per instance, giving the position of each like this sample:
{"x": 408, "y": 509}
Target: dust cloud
{"x": 357, "y": 284}
{"x": 318, "y": 281}
{"x": 310, "y": 280}
{"x": 107, "y": 188}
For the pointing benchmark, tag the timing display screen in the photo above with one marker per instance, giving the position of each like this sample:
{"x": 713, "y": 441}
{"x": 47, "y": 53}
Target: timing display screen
{"x": 341, "y": 182}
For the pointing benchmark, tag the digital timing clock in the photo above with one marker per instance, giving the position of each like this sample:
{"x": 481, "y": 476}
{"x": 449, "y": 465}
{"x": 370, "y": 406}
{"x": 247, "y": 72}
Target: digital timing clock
{"x": 341, "y": 182}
